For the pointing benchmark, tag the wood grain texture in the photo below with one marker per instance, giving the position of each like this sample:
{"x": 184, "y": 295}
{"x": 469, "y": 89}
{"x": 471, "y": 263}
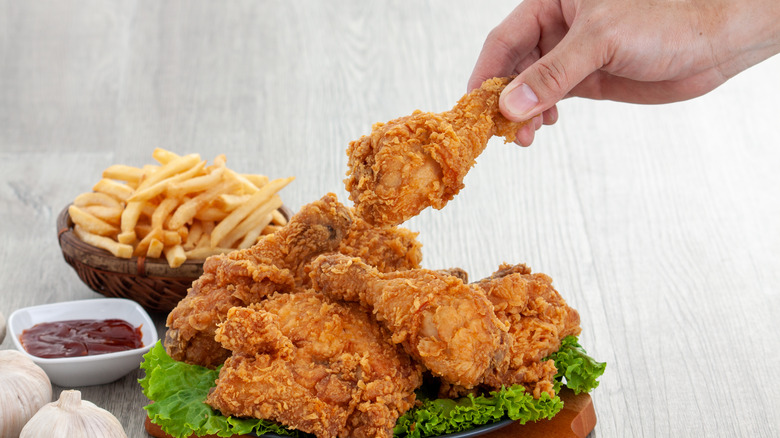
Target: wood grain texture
{"x": 658, "y": 223}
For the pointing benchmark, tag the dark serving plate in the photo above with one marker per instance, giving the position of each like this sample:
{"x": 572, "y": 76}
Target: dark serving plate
{"x": 477, "y": 431}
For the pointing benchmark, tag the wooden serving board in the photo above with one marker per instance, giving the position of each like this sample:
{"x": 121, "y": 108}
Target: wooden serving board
{"x": 576, "y": 420}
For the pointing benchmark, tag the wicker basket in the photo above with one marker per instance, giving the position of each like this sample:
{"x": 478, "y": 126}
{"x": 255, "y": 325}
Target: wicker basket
{"x": 150, "y": 282}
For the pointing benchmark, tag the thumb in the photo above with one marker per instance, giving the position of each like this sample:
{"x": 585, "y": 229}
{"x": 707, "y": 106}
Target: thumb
{"x": 549, "y": 79}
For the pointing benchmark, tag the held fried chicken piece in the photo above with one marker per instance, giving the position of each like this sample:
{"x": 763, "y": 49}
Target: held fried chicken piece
{"x": 538, "y": 319}
{"x": 386, "y": 248}
{"x": 275, "y": 263}
{"x": 420, "y": 160}
{"x": 316, "y": 365}
{"x": 446, "y": 325}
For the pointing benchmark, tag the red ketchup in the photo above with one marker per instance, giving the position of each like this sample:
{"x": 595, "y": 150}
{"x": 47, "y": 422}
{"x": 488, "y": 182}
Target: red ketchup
{"x": 80, "y": 337}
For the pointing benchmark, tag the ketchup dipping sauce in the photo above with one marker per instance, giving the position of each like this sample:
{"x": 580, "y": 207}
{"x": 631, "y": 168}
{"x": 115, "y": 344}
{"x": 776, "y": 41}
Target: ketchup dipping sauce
{"x": 80, "y": 337}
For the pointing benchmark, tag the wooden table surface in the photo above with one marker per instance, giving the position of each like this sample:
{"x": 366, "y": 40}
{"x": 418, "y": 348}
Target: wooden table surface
{"x": 660, "y": 224}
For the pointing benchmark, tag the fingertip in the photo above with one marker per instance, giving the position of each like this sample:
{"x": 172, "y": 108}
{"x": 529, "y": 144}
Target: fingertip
{"x": 550, "y": 116}
{"x": 537, "y": 122}
{"x": 525, "y": 135}
{"x": 517, "y": 101}
{"x": 474, "y": 82}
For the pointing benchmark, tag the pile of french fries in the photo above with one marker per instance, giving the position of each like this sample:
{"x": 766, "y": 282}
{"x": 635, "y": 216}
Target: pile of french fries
{"x": 181, "y": 209}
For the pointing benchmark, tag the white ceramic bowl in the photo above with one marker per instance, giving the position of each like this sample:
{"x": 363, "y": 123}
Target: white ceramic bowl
{"x": 86, "y": 370}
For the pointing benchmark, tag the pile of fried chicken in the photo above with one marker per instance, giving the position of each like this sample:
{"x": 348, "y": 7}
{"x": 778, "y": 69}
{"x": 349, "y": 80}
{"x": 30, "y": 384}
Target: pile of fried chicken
{"x": 329, "y": 325}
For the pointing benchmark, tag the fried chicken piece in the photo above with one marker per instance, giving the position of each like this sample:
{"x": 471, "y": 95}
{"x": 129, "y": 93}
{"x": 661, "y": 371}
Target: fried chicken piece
{"x": 420, "y": 160}
{"x": 316, "y": 365}
{"x": 446, "y": 325}
{"x": 538, "y": 319}
{"x": 386, "y": 248}
{"x": 275, "y": 263}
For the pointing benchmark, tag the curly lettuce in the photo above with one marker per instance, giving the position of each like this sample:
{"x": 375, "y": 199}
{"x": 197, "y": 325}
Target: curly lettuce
{"x": 579, "y": 371}
{"x": 443, "y": 416}
{"x": 178, "y": 392}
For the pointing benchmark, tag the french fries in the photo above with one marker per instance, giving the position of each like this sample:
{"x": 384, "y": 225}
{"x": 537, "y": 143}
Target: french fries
{"x": 91, "y": 223}
{"x": 237, "y": 216}
{"x": 131, "y": 175}
{"x": 178, "y": 208}
{"x": 110, "y": 245}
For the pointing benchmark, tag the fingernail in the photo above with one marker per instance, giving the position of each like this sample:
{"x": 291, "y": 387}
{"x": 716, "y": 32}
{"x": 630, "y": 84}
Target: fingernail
{"x": 521, "y": 100}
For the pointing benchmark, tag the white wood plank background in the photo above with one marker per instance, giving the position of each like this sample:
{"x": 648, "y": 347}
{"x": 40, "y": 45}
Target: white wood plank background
{"x": 661, "y": 224}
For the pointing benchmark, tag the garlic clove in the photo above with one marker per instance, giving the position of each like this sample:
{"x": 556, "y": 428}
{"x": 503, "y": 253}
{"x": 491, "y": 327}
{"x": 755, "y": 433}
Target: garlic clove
{"x": 70, "y": 416}
{"x": 24, "y": 388}
{"x": 2, "y": 328}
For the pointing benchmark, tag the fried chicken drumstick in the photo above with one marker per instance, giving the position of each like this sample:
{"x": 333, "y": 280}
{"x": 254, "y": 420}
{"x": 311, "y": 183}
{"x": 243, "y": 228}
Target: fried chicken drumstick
{"x": 420, "y": 160}
{"x": 446, "y": 325}
{"x": 316, "y": 365}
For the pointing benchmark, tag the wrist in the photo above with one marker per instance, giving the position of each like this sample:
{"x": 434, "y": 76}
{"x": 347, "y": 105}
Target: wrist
{"x": 750, "y": 31}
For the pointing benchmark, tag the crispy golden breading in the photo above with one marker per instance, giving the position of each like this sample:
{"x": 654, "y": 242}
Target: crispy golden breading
{"x": 386, "y": 248}
{"x": 446, "y": 325}
{"x": 275, "y": 264}
{"x": 538, "y": 319}
{"x": 418, "y": 161}
{"x": 316, "y": 365}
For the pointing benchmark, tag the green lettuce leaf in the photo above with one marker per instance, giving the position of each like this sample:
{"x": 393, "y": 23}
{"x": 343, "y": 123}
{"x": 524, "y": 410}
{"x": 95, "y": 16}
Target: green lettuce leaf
{"x": 580, "y": 371}
{"x": 179, "y": 390}
{"x": 443, "y": 416}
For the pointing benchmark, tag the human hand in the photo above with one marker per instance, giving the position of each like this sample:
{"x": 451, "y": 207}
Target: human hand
{"x": 642, "y": 52}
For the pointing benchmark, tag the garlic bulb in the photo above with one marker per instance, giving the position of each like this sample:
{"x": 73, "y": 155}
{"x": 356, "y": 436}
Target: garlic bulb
{"x": 72, "y": 417}
{"x": 24, "y": 388}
